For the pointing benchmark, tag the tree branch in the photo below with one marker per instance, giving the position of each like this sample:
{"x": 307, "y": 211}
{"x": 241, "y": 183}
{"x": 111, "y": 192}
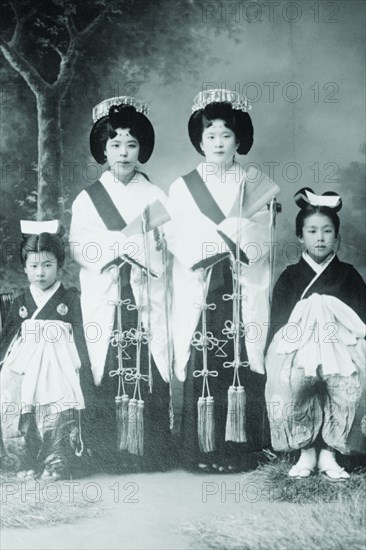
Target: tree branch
{"x": 23, "y": 67}
{"x": 89, "y": 29}
{"x": 66, "y": 72}
{"x": 77, "y": 38}
{"x": 70, "y": 26}
{"x": 20, "y": 18}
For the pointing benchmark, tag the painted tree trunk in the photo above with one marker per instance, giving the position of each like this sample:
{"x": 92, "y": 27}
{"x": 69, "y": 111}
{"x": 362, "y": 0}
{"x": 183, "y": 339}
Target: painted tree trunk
{"x": 50, "y": 195}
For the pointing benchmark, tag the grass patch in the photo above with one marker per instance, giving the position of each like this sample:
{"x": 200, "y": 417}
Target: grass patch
{"x": 33, "y": 503}
{"x": 286, "y": 527}
{"x": 272, "y": 483}
{"x": 305, "y": 514}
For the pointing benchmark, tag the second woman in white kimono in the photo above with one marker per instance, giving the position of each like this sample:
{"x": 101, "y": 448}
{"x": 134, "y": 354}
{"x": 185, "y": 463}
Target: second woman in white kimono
{"x": 221, "y": 289}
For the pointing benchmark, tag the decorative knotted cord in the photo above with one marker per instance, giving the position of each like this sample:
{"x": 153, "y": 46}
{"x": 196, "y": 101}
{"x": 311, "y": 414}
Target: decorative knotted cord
{"x": 137, "y": 337}
{"x": 129, "y": 412}
{"x": 235, "y": 330}
{"x": 119, "y": 339}
{"x": 203, "y": 341}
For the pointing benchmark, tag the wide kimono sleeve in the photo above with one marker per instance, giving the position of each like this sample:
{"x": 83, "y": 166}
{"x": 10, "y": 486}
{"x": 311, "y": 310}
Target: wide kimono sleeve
{"x": 191, "y": 236}
{"x": 92, "y": 245}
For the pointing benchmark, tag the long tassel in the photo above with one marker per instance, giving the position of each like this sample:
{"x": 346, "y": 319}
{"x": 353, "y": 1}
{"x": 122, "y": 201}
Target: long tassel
{"x": 230, "y": 431}
{"x": 206, "y": 424}
{"x": 210, "y": 425}
{"x": 132, "y": 440}
{"x": 201, "y": 423}
{"x": 122, "y": 402}
{"x": 140, "y": 427}
{"x": 135, "y": 436}
{"x": 240, "y": 415}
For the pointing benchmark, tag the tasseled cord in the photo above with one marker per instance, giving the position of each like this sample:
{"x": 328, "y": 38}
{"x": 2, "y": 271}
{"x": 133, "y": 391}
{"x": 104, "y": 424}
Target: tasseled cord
{"x": 135, "y": 437}
{"x": 235, "y": 419}
{"x": 205, "y": 405}
{"x": 122, "y": 399}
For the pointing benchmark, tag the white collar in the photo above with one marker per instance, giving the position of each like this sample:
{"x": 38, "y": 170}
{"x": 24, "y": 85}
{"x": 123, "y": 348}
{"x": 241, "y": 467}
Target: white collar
{"x": 42, "y": 296}
{"x": 318, "y": 268}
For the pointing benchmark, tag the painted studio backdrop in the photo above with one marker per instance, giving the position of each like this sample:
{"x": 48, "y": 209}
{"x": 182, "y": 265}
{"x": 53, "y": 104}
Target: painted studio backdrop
{"x": 300, "y": 63}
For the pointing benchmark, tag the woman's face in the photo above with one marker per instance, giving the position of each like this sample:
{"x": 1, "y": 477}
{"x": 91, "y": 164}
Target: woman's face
{"x": 318, "y": 236}
{"x": 219, "y": 143}
{"x": 122, "y": 153}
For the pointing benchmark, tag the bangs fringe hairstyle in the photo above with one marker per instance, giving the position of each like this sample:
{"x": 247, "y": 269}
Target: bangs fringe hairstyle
{"x": 122, "y": 116}
{"x": 307, "y": 210}
{"x": 237, "y": 121}
{"x": 44, "y": 242}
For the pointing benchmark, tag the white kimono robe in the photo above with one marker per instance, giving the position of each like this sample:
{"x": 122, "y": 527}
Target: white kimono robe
{"x": 192, "y": 237}
{"x": 93, "y": 246}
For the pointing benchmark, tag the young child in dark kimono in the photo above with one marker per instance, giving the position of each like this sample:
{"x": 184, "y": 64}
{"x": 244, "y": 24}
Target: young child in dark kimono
{"x": 41, "y": 396}
{"x": 315, "y": 364}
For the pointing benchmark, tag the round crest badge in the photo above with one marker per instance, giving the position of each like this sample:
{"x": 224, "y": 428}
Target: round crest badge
{"x": 62, "y": 309}
{"x": 23, "y": 313}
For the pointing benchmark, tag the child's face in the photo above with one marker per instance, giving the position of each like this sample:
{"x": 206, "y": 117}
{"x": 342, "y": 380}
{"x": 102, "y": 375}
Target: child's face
{"x": 122, "y": 154}
{"x": 219, "y": 143}
{"x": 318, "y": 236}
{"x": 41, "y": 269}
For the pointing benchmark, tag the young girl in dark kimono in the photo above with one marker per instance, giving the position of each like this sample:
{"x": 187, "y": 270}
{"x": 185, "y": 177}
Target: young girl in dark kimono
{"x": 218, "y": 295}
{"x": 41, "y": 395}
{"x": 123, "y": 303}
{"x": 316, "y": 362}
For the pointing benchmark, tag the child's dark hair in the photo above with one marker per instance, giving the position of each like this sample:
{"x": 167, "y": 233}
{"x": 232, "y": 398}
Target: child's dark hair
{"x": 237, "y": 121}
{"x": 122, "y": 116}
{"x": 44, "y": 242}
{"x": 309, "y": 210}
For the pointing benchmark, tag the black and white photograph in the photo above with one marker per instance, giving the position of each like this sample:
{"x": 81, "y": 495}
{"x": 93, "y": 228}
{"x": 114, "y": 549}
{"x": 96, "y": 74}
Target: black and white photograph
{"x": 182, "y": 275}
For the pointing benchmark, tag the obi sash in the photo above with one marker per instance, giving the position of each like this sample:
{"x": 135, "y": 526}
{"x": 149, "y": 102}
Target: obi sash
{"x": 111, "y": 217}
{"x": 105, "y": 207}
{"x": 209, "y": 208}
{"x": 203, "y": 198}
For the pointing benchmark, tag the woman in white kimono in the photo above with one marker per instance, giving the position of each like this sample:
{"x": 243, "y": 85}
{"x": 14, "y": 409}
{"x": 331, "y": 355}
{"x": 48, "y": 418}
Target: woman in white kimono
{"x": 219, "y": 319}
{"x": 123, "y": 293}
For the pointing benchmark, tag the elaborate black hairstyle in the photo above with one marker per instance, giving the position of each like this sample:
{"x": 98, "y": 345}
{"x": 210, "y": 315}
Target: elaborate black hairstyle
{"x": 237, "y": 120}
{"x": 310, "y": 203}
{"x": 43, "y": 242}
{"x": 122, "y": 116}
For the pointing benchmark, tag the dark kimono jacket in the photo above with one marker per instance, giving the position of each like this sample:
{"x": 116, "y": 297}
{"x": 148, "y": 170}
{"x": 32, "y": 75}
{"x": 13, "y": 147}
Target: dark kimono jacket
{"x": 28, "y": 448}
{"x": 339, "y": 279}
{"x": 319, "y": 393}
